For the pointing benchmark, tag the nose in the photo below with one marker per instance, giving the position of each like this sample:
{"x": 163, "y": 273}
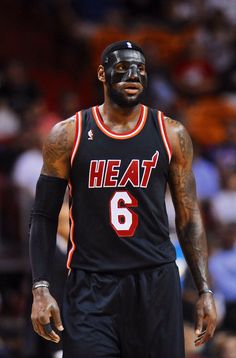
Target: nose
{"x": 133, "y": 72}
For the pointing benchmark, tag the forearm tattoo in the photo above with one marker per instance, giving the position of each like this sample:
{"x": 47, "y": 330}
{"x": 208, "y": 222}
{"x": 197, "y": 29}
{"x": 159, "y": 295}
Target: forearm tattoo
{"x": 193, "y": 243}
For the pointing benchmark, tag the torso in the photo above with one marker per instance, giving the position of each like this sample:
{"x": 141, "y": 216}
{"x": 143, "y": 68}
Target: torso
{"x": 118, "y": 183}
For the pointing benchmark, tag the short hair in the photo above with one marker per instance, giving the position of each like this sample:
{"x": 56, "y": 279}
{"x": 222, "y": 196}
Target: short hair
{"x": 119, "y": 45}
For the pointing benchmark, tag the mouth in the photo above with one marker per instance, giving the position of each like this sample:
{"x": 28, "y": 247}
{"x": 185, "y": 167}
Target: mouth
{"x": 132, "y": 88}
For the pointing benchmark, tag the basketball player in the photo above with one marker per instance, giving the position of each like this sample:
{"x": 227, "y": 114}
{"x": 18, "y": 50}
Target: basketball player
{"x": 122, "y": 296}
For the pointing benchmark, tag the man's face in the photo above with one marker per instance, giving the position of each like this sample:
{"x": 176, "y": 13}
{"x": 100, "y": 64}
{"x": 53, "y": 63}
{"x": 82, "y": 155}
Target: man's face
{"x": 126, "y": 77}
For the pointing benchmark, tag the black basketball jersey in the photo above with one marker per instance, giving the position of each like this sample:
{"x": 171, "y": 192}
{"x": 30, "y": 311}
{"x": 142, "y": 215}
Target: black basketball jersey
{"x": 117, "y": 189}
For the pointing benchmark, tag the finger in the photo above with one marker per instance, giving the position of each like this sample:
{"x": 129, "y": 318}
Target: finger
{"x": 199, "y": 323}
{"x": 39, "y": 330}
{"x": 50, "y": 336}
{"x": 50, "y": 333}
{"x": 47, "y": 328}
{"x": 44, "y": 321}
{"x": 201, "y": 340}
{"x": 57, "y": 318}
{"x": 54, "y": 337}
{"x": 209, "y": 332}
{"x": 201, "y": 334}
{"x": 35, "y": 327}
{"x": 204, "y": 336}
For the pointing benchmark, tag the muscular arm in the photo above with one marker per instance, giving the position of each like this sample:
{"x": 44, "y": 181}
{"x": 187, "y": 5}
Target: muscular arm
{"x": 49, "y": 197}
{"x": 189, "y": 226}
{"x": 57, "y": 149}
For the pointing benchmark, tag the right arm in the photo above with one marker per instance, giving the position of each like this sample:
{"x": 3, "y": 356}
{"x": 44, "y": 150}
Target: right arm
{"x": 44, "y": 219}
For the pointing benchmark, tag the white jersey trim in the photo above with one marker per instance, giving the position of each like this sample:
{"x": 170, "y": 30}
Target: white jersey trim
{"x": 78, "y": 132}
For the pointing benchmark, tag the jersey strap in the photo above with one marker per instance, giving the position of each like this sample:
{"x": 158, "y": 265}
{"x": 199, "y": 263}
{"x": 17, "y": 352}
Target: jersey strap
{"x": 161, "y": 121}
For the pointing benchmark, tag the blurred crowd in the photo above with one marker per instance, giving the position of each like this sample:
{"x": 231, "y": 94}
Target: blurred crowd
{"x": 48, "y": 59}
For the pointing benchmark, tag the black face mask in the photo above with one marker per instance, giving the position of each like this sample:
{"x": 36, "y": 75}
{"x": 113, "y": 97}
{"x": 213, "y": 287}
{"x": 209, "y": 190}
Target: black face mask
{"x": 132, "y": 60}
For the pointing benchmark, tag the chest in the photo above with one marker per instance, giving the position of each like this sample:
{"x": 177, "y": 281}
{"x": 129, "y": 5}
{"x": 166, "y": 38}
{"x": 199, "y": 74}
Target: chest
{"x": 105, "y": 161}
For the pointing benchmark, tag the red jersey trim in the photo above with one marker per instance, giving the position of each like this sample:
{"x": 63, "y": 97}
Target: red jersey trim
{"x": 126, "y": 135}
{"x": 78, "y": 131}
{"x": 71, "y": 236}
{"x": 161, "y": 121}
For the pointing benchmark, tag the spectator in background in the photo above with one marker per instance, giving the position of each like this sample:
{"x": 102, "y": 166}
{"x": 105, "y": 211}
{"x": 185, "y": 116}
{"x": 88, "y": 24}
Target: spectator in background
{"x": 206, "y": 120}
{"x": 9, "y": 130}
{"x": 228, "y": 8}
{"x": 224, "y": 154}
{"x": 222, "y": 267}
{"x": 160, "y": 92}
{"x": 216, "y": 36}
{"x": 9, "y": 122}
{"x": 26, "y": 169}
{"x": 206, "y": 174}
{"x": 182, "y": 13}
{"x": 68, "y": 104}
{"x": 223, "y": 204}
{"x": 193, "y": 75}
{"x": 24, "y": 177}
{"x": 17, "y": 88}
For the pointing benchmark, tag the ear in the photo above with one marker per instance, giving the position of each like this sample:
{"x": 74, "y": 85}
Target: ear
{"x": 101, "y": 73}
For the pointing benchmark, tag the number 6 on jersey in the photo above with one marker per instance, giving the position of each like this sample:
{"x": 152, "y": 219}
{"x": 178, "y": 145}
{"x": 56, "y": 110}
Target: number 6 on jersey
{"x": 123, "y": 220}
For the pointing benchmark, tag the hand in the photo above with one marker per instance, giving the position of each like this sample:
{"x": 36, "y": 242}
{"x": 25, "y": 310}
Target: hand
{"x": 206, "y": 318}
{"x": 45, "y": 308}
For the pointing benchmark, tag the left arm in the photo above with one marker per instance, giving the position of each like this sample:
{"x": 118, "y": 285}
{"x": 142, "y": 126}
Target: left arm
{"x": 189, "y": 226}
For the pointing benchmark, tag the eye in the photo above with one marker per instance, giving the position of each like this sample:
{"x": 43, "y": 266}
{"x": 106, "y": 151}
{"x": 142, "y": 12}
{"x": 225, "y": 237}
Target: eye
{"x": 141, "y": 67}
{"x": 121, "y": 67}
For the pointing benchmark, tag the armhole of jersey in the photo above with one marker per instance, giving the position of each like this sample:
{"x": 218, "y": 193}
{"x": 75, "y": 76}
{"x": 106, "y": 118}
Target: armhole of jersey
{"x": 78, "y": 131}
{"x": 71, "y": 238}
{"x": 161, "y": 121}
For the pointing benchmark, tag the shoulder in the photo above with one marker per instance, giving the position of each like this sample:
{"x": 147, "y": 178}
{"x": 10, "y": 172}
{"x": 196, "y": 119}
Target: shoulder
{"x": 66, "y": 126}
{"x": 63, "y": 133}
{"x": 179, "y": 139}
{"x": 173, "y": 127}
{"x": 57, "y": 148}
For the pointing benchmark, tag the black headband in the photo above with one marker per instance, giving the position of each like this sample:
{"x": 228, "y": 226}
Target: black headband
{"x": 120, "y": 45}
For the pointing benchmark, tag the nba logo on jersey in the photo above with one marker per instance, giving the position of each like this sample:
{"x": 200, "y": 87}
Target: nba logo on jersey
{"x": 129, "y": 45}
{"x": 90, "y": 134}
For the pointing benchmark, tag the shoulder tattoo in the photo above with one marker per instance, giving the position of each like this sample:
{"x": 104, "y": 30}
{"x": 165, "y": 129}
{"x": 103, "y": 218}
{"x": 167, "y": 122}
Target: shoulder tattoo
{"x": 172, "y": 122}
{"x": 57, "y": 148}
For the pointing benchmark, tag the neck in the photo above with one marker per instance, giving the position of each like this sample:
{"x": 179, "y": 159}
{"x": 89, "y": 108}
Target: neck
{"x": 112, "y": 113}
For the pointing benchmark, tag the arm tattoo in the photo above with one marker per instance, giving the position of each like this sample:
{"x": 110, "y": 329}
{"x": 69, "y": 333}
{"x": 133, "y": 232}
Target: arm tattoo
{"x": 172, "y": 122}
{"x": 56, "y": 150}
{"x": 188, "y": 218}
{"x": 193, "y": 242}
{"x": 185, "y": 145}
{"x": 185, "y": 184}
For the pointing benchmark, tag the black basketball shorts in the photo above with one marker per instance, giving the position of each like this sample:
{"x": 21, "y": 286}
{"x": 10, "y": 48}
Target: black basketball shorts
{"x": 136, "y": 315}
